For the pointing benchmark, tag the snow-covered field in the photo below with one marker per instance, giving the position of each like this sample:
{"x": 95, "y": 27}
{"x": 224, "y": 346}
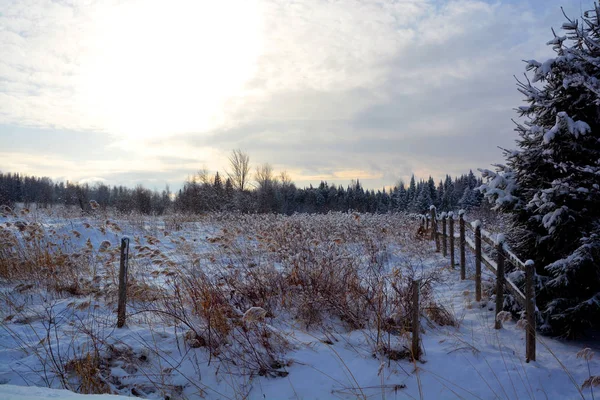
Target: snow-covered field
{"x": 233, "y": 306}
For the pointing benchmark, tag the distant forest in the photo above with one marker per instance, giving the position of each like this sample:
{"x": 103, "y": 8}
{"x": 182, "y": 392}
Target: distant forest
{"x": 204, "y": 193}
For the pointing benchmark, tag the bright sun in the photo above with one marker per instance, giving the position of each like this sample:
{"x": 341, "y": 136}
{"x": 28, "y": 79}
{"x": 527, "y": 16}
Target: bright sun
{"x": 158, "y": 68}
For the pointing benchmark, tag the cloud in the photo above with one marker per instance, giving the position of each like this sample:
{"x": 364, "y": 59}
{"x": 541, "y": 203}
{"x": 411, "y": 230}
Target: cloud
{"x": 128, "y": 68}
{"x": 151, "y": 171}
{"x": 435, "y": 94}
{"x": 91, "y": 181}
{"x": 376, "y": 88}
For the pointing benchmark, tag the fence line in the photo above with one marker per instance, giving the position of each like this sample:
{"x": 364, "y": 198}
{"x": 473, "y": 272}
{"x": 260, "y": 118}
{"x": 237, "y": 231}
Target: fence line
{"x": 496, "y": 266}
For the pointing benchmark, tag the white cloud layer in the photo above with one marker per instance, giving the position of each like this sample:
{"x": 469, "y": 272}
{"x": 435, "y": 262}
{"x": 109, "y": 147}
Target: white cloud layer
{"x": 377, "y": 88}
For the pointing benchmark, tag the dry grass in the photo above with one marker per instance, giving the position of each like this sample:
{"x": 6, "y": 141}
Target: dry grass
{"x": 86, "y": 372}
{"x": 351, "y": 270}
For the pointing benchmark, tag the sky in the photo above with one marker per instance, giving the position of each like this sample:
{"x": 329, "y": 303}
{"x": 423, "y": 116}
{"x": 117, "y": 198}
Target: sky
{"x": 149, "y": 92}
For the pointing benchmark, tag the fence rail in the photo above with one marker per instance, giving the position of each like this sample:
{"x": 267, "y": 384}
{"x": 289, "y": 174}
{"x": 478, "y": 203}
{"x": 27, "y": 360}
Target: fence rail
{"x": 494, "y": 264}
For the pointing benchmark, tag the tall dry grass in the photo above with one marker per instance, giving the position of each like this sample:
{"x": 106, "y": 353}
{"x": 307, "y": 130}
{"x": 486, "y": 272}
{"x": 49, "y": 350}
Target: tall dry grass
{"x": 226, "y": 283}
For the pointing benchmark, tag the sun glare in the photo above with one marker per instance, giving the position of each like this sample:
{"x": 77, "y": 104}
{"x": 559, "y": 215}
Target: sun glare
{"x": 153, "y": 70}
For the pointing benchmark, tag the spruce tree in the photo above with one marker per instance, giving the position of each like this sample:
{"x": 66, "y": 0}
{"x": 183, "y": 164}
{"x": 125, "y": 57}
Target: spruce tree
{"x": 469, "y": 199}
{"x": 432, "y": 191}
{"x": 402, "y": 197}
{"x": 411, "y": 192}
{"x": 447, "y": 200}
{"x": 423, "y": 201}
{"x": 550, "y": 185}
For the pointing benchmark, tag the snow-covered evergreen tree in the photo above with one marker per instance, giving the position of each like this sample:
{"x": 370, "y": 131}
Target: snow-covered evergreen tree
{"x": 469, "y": 199}
{"x": 402, "y": 197}
{"x": 447, "y": 200}
{"x": 423, "y": 200}
{"x": 432, "y": 191}
{"x": 550, "y": 184}
{"x": 411, "y": 192}
{"x": 439, "y": 194}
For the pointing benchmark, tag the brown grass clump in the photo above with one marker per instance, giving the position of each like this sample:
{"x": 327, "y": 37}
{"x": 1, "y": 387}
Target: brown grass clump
{"x": 194, "y": 340}
{"x": 439, "y": 314}
{"x": 421, "y": 233}
{"x": 85, "y": 371}
{"x": 29, "y": 252}
{"x": 503, "y": 316}
{"x": 592, "y": 381}
{"x": 586, "y": 354}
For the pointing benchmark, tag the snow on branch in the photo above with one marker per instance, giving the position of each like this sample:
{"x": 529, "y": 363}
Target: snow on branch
{"x": 566, "y": 123}
{"x": 499, "y": 186}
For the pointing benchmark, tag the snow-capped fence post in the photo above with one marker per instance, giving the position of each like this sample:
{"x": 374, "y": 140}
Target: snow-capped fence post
{"x": 433, "y": 222}
{"x": 530, "y": 311}
{"x": 451, "y": 235}
{"x": 463, "y": 263}
{"x": 444, "y": 236}
{"x": 434, "y": 227}
{"x": 437, "y": 238}
{"x": 415, "y": 349}
{"x": 477, "y": 261}
{"x": 500, "y": 278}
{"x": 124, "y": 265}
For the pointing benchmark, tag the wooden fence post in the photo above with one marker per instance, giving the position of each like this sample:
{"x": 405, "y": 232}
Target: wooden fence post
{"x": 451, "y": 236}
{"x": 463, "y": 242}
{"x": 477, "y": 261}
{"x": 124, "y": 265}
{"x": 444, "y": 235}
{"x": 530, "y": 310}
{"x": 434, "y": 235}
{"x": 499, "y": 279}
{"x": 432, "y": 216}
{"x": 415, "y": 349}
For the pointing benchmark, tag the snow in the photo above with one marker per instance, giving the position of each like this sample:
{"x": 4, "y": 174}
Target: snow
{"x": 328, "y": 360}
{"x": 565, "y": 123}
{"x": 524, "y": 109}
{"x": 542, "y": 70}
{"x": 552, "y": 219}
{"x": 500, "y": 238}
{"x": 499, "y": 186}
{"x": 558, "y": 40}
{"x": 12, "y": 392}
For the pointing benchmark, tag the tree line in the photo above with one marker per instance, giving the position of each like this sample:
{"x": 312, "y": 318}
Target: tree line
{"x": 17, "y": 188}
{"x": 237, "y": 192}
{"x": 278, "y": 194}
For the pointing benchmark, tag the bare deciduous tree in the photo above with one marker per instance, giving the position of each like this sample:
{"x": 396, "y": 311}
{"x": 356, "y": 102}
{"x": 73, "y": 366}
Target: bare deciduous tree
{"x": 202, "y": 176}
{"x": 240, "y": 168}
{"x": 264, "y": 176}
{"x": 285, "y": 179}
